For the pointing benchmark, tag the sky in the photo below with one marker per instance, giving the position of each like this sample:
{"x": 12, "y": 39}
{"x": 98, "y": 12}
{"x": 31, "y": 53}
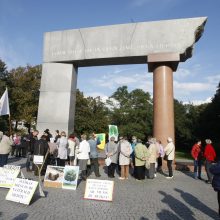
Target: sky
{"x": 24, "y": 22}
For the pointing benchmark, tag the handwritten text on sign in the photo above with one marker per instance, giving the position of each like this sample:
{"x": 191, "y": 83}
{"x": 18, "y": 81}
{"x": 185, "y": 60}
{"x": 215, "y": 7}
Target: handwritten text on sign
{"x": 22, "y": 191}
{"x": 8, "y": 176}
{"x": 99, "y": 189}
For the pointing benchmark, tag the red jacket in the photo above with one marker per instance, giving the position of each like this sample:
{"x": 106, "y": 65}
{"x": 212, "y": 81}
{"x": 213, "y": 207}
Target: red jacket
{"x": 209, "y": 152}
{"x": 196, "y": 152}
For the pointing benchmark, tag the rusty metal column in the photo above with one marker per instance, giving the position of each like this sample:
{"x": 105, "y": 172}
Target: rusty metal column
{"x": 163, "y": 120}
{"x": 162, "y": 66}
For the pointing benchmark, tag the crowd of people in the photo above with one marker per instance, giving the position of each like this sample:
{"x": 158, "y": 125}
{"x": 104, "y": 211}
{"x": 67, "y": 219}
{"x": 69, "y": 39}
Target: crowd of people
{"x": 59, "y": 150}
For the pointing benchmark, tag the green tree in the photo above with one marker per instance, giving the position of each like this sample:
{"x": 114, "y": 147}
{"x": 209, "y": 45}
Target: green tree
{"x": 90, "y": 115}
{"x": 210, "y": 118}
{"x": 131, "y": 112}
{"x": 24, "y": 93}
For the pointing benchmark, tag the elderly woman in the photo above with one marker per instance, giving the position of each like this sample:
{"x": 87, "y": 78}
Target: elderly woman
{"x": 169, "y": 152}
{"x": 141, "y": 155}
{"x": 153, "y": 154}
{"x": 5, "y": 148}
{"x": 111, "y": 150}
{"x": 124, "y": 158}
{"x": 62, "y": 143}
{"x": 83, "y": 155}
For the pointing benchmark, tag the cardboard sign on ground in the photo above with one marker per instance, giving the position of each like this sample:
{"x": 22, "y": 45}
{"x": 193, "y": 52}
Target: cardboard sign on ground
{"x": 70, "y": 179}
{"x": 99, "y": 190}
{"x": 22, "y": 191}
{"x": 54, "y": 176}
{"x": 8, "y": 174}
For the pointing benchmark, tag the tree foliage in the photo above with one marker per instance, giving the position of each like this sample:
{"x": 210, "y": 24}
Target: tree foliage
{"x": 90, "y": 115}
{"x": 131, "y": 112}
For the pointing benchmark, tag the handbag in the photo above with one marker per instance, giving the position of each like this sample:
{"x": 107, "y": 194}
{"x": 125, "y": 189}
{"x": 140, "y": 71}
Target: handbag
{"x": 165, "y": 157}
{"x": 147, "y": 164}
{"x": 108, "y": 161}
{"x": 88, "y": 162}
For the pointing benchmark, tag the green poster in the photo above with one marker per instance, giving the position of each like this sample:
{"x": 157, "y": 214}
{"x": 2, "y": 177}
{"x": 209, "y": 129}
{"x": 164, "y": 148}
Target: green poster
{"x": 113, "y": 132}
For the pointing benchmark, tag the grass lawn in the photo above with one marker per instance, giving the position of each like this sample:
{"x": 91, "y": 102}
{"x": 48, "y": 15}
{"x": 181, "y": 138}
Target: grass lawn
{"x": 183, "y": 155}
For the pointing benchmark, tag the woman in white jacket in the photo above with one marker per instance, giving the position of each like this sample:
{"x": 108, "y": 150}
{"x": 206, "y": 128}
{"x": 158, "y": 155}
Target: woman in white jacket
{"x": 83, "y": 155}
{"x": 62, "y": 149}
{"x": 170, "y": 152}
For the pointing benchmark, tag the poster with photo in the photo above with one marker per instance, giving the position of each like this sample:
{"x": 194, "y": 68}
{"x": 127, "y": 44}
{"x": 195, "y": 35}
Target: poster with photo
{"x": 70, "y": 179}
{"x": 8, "y": 174}
{"x": 54, "y": 176}
{"x": 22, "y": 191}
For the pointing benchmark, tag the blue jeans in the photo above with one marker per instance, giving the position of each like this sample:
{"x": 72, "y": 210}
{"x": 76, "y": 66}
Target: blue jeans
{"x": 3, "y": 159}
{"x": 197, "y": 168}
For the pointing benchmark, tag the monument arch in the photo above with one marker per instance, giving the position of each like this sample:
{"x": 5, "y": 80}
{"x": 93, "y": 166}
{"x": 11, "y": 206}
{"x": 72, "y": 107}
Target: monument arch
{"x": 160, "y": 44}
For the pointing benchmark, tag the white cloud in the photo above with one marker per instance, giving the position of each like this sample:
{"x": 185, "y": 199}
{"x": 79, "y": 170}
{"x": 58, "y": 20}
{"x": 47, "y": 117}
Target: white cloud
{"x": 181, "y": 73}
{"x": 192, "y": 86}
{"x": 213, "y": 79}
{"x": 199, "y": 102}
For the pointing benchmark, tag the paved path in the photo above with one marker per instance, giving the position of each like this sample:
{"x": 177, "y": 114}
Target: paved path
{"x": 179, "y": 198}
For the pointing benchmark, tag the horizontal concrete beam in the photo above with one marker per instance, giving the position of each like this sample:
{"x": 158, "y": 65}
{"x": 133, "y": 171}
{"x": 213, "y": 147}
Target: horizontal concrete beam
{"x": 124, "y": 43}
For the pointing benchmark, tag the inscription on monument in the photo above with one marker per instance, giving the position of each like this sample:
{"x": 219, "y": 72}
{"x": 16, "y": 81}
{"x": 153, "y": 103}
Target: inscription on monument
{"x": 108, "y": 49}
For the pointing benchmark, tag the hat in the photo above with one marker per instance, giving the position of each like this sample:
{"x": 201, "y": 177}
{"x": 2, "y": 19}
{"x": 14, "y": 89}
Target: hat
{"x": 169, "y": 139}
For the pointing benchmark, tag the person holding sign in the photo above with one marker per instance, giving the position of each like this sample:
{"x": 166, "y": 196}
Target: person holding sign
{"x": 5, "y": 148}
{"x": 111, "y": 150}
{"x": 40, "y": 149}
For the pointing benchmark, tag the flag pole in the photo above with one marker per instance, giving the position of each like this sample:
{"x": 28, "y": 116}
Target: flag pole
{"x": 10, "y": 130}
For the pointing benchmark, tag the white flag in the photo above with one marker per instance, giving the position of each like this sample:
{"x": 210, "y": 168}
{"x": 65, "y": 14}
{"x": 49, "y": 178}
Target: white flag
{"x": 4, "y": 104}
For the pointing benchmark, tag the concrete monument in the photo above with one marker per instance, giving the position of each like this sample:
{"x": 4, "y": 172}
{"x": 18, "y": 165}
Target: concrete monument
{"x": 161, "y": 44}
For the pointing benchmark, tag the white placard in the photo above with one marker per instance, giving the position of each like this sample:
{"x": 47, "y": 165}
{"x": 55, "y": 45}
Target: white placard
{"x": 99, "y": 189}
{"x": 38, "y": 159}
{"x": 12, "y": 167}
{"x": 8, "y": 175}
{"x": 22, "y": 191}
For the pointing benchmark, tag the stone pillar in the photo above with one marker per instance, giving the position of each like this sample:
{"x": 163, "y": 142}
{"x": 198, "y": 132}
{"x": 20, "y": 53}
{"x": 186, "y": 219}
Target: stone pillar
{"x": 57, "y": 97}
{"x": 163, "y": 66}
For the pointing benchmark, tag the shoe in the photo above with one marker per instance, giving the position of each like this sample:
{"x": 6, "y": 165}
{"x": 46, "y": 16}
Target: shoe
{"x": 98, "y": 175}
{"x": 126, "y": 178}
{"x": 111, "y": 176}
{"x": 121, "y": 178}
{"x": 155, "y": 175}
{"x": 208, "y": 182}
{"x": 169, "y": 177}
{"x": 139, "y": 180}
{"x": 200, "y": 178}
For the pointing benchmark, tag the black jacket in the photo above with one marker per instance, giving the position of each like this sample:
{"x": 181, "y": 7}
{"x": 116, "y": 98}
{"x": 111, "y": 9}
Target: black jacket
{"x": 215, "y": 170}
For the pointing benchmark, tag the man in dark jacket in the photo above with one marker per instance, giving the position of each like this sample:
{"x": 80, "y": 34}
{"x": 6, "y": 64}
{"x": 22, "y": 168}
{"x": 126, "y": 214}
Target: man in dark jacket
{"x": 215, "y": 170}
{"x": 31, "y": 139}
{"x": 41, "y": 148}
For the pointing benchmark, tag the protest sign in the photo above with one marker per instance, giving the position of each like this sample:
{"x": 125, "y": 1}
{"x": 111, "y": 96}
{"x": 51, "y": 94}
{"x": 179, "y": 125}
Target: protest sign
{"x": 113, "y": 132}
{"x": 54, "y": 176}
{"x": 22, "y": 191}
{"x": 70, "y": 179}
{"x": 38, "y": 159}
{"x": 8, "y": 174}
{"x": 101, "y": 137}
{"x": 99, "y": 190}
